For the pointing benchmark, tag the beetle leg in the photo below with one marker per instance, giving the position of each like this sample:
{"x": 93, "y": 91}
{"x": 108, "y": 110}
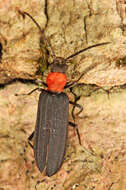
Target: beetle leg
{"x": 76, "y": 98}
{"x": 73, "y": 115}
{"x": 41, "y": 83}
{"x": 76, "y": 105}
{"x": 30, "y": 138}
{"x": 77, "y": 131}
{"x": 29, "y": 93}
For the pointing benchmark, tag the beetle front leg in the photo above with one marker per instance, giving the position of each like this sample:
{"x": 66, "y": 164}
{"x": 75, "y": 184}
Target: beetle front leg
{"x": 29, "y": 93}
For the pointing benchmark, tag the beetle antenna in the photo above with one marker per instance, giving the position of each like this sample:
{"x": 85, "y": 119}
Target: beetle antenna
{"x": 85, "y": 49}
{"x": 74, "y": 83}
{"x": 42, "y": 31}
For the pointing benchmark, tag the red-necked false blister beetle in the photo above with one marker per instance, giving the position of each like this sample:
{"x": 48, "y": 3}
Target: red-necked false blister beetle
{"x": 52, "y": 116}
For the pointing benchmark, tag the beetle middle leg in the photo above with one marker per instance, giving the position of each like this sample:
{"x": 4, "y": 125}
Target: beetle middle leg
{"x": 76, "y": 98}
{"x": 74, "y": 106}
{"x": 73, "y": 116}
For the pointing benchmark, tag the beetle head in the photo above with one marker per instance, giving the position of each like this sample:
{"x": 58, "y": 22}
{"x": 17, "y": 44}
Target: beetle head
{"x": 59, "y": 65}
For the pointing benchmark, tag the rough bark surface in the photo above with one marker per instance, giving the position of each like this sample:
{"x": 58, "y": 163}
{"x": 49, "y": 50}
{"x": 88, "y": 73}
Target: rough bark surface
{"x": 70, "y": 25}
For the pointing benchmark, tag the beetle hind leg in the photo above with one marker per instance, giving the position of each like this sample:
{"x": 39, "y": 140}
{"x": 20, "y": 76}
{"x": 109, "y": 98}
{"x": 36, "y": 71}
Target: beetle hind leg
{"x": 30, "y": 138}
{"x": 77, "y": 131}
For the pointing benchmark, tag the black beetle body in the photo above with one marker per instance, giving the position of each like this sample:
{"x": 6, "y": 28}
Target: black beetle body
{"x": 51, "y": 131}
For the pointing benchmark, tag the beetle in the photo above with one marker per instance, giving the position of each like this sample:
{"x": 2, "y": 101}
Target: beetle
{"x": 52, "y": 115}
